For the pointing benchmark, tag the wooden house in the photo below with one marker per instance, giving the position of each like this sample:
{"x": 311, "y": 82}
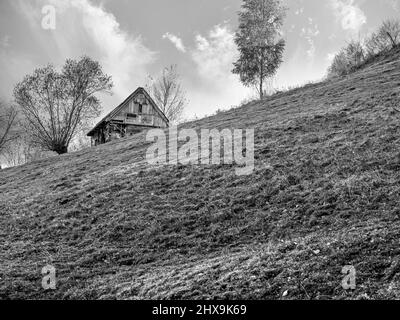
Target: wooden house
{"x": 137, "y": 113}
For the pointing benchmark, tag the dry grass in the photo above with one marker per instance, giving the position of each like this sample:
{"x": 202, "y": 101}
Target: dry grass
{"x": 324, "y": 194}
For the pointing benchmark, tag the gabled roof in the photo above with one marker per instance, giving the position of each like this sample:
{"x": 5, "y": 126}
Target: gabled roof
{"x": 122, "y": 105}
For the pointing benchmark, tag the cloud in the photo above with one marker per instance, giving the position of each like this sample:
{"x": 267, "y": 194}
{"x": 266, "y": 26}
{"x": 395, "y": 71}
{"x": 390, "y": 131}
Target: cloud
{"x": 299, "y": 11}
{"x": 395, "y": 5}
{"x": 176, "y": 41}
{"x": 213, "y": 55}
{"x": 124, "y": 57}
{"x": 311, "y": 51}
{"x": 330, "y": 56}
{"x": 310, "y": 33}
{"x": 13, "y": 67}
{"x": 5, "y": 41}
{"x": 350, "y": 16}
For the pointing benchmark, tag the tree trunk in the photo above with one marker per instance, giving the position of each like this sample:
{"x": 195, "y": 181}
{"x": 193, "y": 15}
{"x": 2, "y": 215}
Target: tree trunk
{"x": 61, "y": 149}
{"x": 391, "y": 39}
{"x": 261, "y": 74}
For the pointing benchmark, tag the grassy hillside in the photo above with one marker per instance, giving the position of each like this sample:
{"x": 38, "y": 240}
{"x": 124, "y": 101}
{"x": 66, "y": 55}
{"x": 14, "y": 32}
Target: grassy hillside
{"x": 324, "y": 194}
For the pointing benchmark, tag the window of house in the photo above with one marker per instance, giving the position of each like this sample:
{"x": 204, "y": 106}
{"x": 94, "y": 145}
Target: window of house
{"x": 131, "y": 115}
{"x": 140, "y": 108}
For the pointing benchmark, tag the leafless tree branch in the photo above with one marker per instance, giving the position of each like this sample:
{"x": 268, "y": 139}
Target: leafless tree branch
{"x": 168, "y": 93}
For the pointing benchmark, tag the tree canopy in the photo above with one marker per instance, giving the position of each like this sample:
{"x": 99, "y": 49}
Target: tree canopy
{"x": 55, "y": 104}
{"x": 8, "y": 117}
{"x": 259, "y": 41}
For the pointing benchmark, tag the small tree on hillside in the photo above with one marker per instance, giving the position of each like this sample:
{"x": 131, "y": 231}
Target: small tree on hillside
{"x": 21, "y": 151}
{"x": 355, "y": 53}
{"x": 340, "y": 65}
{"x": 391, "y": 30}
{"x": 347, "y": 59}
{"x": 8, "y": 117}
{"x": 56, "y": 104}
{"x": 257, "y": 39}
{"x": 386, "y": 38}
{"x": 15, "y": 153}
{"x": 168, "y": 93}
{"x": 81, "y": 140}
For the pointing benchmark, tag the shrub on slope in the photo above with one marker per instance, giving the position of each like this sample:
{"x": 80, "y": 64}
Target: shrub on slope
{"x": 357, "y": 53}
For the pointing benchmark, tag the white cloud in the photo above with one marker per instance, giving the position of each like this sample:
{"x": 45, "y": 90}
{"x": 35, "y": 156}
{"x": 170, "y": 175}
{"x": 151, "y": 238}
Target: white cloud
{"x": 349, "y": 14}
{"x": 311, "y": 51}
{"x": 310, "y": 33}
{"x": 123, "y": 56}
{"x": 5, "y": 41}
{"x": 214, "y": 55}
{"x": 13, "y": 67}
{"x": 176, "y": 41}
{"x": 299, "y": 11}
{"x": 395, "y": 4}
{"x": 330, "y": 56}
{"x": 100, "y": 36}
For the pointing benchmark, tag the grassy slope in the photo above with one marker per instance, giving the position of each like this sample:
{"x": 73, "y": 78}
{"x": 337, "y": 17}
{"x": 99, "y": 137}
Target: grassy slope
{"x": 325, "y": 193}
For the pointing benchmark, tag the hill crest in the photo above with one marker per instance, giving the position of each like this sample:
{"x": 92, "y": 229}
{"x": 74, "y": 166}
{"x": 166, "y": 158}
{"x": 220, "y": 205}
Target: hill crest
{"x": 324, "y": 194}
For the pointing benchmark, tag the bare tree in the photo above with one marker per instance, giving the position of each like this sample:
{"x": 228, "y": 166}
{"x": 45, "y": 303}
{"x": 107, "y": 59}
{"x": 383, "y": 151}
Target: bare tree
{"x": 386, "y": 38}
{"x": 56, "y": 104}
{"x": 340, "y": 65}
{"x": 391, "y": 29}
{"x": 347, "y": 59}
{"x": 15, "y": 153}
{"x": 21, "y": 150}
{"x": 168, "y": 93}
{"x": 355, "y": 53}
{"x": 81, "y": 140}
{"x": 8, "y": 117}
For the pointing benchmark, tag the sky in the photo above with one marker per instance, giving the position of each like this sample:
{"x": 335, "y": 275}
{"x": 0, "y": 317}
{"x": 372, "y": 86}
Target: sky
{"x": 133, "y": 39}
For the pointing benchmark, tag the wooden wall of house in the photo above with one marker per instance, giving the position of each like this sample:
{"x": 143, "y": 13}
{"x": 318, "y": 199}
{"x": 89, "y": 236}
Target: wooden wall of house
{"x": 148, "y": 116}
{"x": 130, "y": 119}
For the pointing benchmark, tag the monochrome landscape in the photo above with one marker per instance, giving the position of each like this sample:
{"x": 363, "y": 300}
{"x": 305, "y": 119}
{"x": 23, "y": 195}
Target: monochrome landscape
{"x": 252, "y": 155}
